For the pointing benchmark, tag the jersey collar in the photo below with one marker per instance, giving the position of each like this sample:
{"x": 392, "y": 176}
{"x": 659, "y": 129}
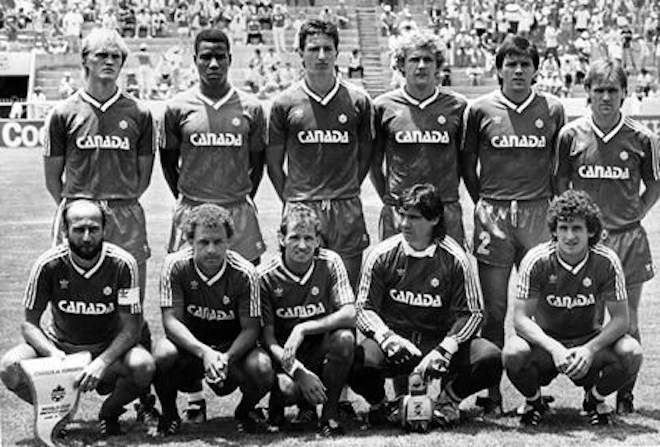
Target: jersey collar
{"x": 607, "y": 137}
{"x": 518, "y": 108}
{"x": 299, "y": 279}
{"x": 89, "y": 273}
{"x": 574, "y": 269}
{"x": 220, "y": 102}
{"x": 321, "y": 100}
{"x": 102, "y": 107}
{"x": 428, "y": 252}
{"x": 210, "y": 281}
{"x": 420, "y": 104}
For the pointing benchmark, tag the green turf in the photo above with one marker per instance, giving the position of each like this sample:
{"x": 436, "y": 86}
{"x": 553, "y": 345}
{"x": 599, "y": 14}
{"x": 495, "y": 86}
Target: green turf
{"x": 24, "y": 234}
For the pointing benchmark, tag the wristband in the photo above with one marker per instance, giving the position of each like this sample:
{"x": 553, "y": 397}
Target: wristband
{"x": 443, "y": 352}
{"x": 380, "y": 338}
{"x": 295, "y": 367}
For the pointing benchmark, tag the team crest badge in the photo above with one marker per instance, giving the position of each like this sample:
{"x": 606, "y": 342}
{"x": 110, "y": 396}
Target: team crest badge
{"x": 123, "y": 124}
{"x": 552, "y": 279}
{"x": 297, "y": 113}
{"x": 259, "y": 245}
{"x": 107, "y": 290}
{"x": 226, "y": 300}
{"x": 236, "y": 121}
{"x": 58, "y": 393}
{"x": 497, "y": 119}
{"x": 442, "y": 119}
{"x": 194, "y": 285}
{"x": 586, "y": 282}
{"x": 64, "y": 284}
{"x": 624, "y": 155}
{"x": 400, "y": 272}
{"x": 279, "y": 292}
{"x": 315, "y": 291}
{"x": 342, "y": 118}
{"x": 435, "y": 282}
{"x": 539, "y": 123}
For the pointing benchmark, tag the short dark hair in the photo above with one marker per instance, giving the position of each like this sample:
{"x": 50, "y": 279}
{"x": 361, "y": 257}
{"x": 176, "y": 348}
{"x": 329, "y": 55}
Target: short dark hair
{"x": 517, "y": 46}
{"x": 211, "y": 35}
{"x": 69, "y": 204}
{"x": 317, "y": 26}
{"x": 572, "y": 204}
{"x": 426, "y": 199}
{"x": 208, "y": 215}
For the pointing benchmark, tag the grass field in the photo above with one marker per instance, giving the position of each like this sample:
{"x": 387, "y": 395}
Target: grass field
{"x": 24, "y": 232}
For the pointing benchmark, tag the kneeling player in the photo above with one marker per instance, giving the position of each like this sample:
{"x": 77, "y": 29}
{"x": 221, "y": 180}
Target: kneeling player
{"x": 211, "y": 316}
{"x": 309, "y": 314}
{"x": 92, "y": 288}
{"x": 419, "y": 305}
{"x": 565, "y": 286}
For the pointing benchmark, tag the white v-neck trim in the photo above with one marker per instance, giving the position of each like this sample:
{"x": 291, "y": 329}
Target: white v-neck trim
{"x": 323, "y": 100}
{"x": 302, "y": 280}
{"x": 88, "y": 273}
{"x": 101, "y": 106}
{"x": 220, "y": 102}
{"x": 421, "y": 104}
{"x": 518, "y": 108}
{"x": 574, "y": 269}
{"x": 611, "y": 134}
{"x": 428, "y": 252}
{"x": 215, "y": 278}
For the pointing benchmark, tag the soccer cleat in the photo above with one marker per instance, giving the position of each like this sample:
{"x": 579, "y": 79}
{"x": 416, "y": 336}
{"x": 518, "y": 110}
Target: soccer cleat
{"x": 330, "y": 429}
{"x": 146, "y": 413}
{"x": 446, "y": 412}
{"x": 491, "y": 404}
{"x": 251, "y": 421}
{"x": 346, "y": 410}
{"x": 532, "y": 413}
{"x": 306, "y": 417}
{"x": 196, "y": 412}
{"x": 109, "y": 427}
{"x": 384, "y": 413}
{"x": 601, "y": 414}
{"x": 624, "y": 403}
{"x": 169, "y": 426}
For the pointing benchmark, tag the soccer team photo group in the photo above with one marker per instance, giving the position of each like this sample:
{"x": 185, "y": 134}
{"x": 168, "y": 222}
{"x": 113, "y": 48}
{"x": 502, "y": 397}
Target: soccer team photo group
{"x": 415, "y": 268}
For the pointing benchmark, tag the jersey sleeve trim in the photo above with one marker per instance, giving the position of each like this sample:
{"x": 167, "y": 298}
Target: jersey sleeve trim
{"x": 245, "y": 267}
{"x": 57, "y": 252}
{"x": 619, "y": 276}
{"x": 171, "y": 261}
{"x": 341, "y": 287}
{"x": 125, "y": 257}
{"x": 527, "y": 265}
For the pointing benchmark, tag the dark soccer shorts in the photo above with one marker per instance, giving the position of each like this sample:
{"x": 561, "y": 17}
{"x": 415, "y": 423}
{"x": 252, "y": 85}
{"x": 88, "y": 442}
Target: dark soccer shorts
{"x": 247, "y": 240}
{"x": 522, "y": 224}
{"x": 389, "y": 222}
{"x": 189, "y": 369}
{"x": 125, "y": 226}
{"x": 342, "y": 225}
{"x": 632, "y": 246}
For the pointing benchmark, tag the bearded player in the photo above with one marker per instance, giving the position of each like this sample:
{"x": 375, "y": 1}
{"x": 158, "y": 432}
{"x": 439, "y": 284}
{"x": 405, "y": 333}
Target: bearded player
{"x": 212, "y": 317}
{"x": 322, "y": 126}
{"x": 418, "y": 134}
{"x": 91, "y": 287}
{"x": 99, "y": 144}
{"x": 213, "y": 147}
{"x": 611, "y": 156}
{"x": 510, "y": 134}
{"x": 309, "y": 313}
{"x": 565, "y": 286}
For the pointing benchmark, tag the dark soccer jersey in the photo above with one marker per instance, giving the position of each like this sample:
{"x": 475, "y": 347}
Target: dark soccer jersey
{"x": 610, "y": 167}
{"x": 571, "y": 299}
{"x": 288, "y": 299}
{"x": 212, "y": 307}
{"x": 437, "y": 294}
{"x": 420, "y": 140}
{"x": 84, "y": 304}
{"x": 321, "y": 139}
{"x": 215, "y": 139}
{"x": 101, "y": 144}
{"x": 515, "y": 144}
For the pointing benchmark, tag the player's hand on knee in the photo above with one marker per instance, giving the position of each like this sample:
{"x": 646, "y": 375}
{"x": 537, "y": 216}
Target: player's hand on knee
{"x": 90, "y": 377}
{"x": 292, "y": 344}
{"x": 581, "y": 359}
{"x": 311, "y": 386}
{"x": 399, "y": 350}
{"x": 215, "y": 365}
{"x": 434, "y": 364}
{"x": 561, "y": 358}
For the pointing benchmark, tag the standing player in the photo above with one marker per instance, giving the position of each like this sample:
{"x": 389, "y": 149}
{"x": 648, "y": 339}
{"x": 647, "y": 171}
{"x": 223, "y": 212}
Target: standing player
{"x": 211, "y": 316}
{"x": 565, "y": 286}
{"x": 610, "y": 156}
{"x": 308, "y": 312}
{"x": 418, "y": 133}
{"x": 323, "y": 127}
{"x": 213, "y": 146}
{"x": 92, "y": 289}
{"x": 99, "y": 144}
{"x": 419, "y": 306}
{"x": 511, "y": 133}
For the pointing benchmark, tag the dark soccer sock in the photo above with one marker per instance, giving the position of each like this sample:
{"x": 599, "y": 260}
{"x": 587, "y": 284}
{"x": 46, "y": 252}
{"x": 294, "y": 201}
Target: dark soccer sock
{"x": 613, "y": 377}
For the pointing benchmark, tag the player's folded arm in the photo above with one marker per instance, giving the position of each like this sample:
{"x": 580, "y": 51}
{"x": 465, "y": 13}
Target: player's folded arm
{"x": 615, "y": 328}
{"x": 246, "y": 339}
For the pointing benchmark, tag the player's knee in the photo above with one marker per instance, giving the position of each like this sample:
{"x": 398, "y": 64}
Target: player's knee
{"x": 142, "y": 367}
{"x": 259, "y": 368}
{"x": 515, "y": 354}
{"x": 341, "y": 345}
{"x": 9, "y": 373}
{"x": 630, "y": 352}
{"x": 164, "y": 353}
